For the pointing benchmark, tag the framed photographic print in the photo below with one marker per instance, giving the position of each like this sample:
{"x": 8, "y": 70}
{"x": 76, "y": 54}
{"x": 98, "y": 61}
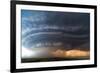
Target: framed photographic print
{"x": 51, "y": 36}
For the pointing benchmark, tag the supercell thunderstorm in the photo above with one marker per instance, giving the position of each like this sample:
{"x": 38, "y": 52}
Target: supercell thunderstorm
{"x": 55, "y": 30}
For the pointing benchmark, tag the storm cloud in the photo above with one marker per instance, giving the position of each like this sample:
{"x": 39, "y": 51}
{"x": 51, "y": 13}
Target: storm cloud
{"x": 39, "y": 27}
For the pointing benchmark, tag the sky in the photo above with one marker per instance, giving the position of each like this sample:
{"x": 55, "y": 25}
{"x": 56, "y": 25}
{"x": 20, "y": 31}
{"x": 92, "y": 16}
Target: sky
{"x": 46, "y": 28}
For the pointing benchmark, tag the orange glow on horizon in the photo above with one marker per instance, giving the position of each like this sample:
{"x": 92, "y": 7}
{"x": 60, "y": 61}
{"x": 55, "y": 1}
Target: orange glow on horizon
{"x": 70, "y": 53}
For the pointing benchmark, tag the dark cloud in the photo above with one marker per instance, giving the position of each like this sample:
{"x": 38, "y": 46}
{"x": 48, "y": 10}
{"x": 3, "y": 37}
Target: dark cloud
{"x": 74, "y": 27}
